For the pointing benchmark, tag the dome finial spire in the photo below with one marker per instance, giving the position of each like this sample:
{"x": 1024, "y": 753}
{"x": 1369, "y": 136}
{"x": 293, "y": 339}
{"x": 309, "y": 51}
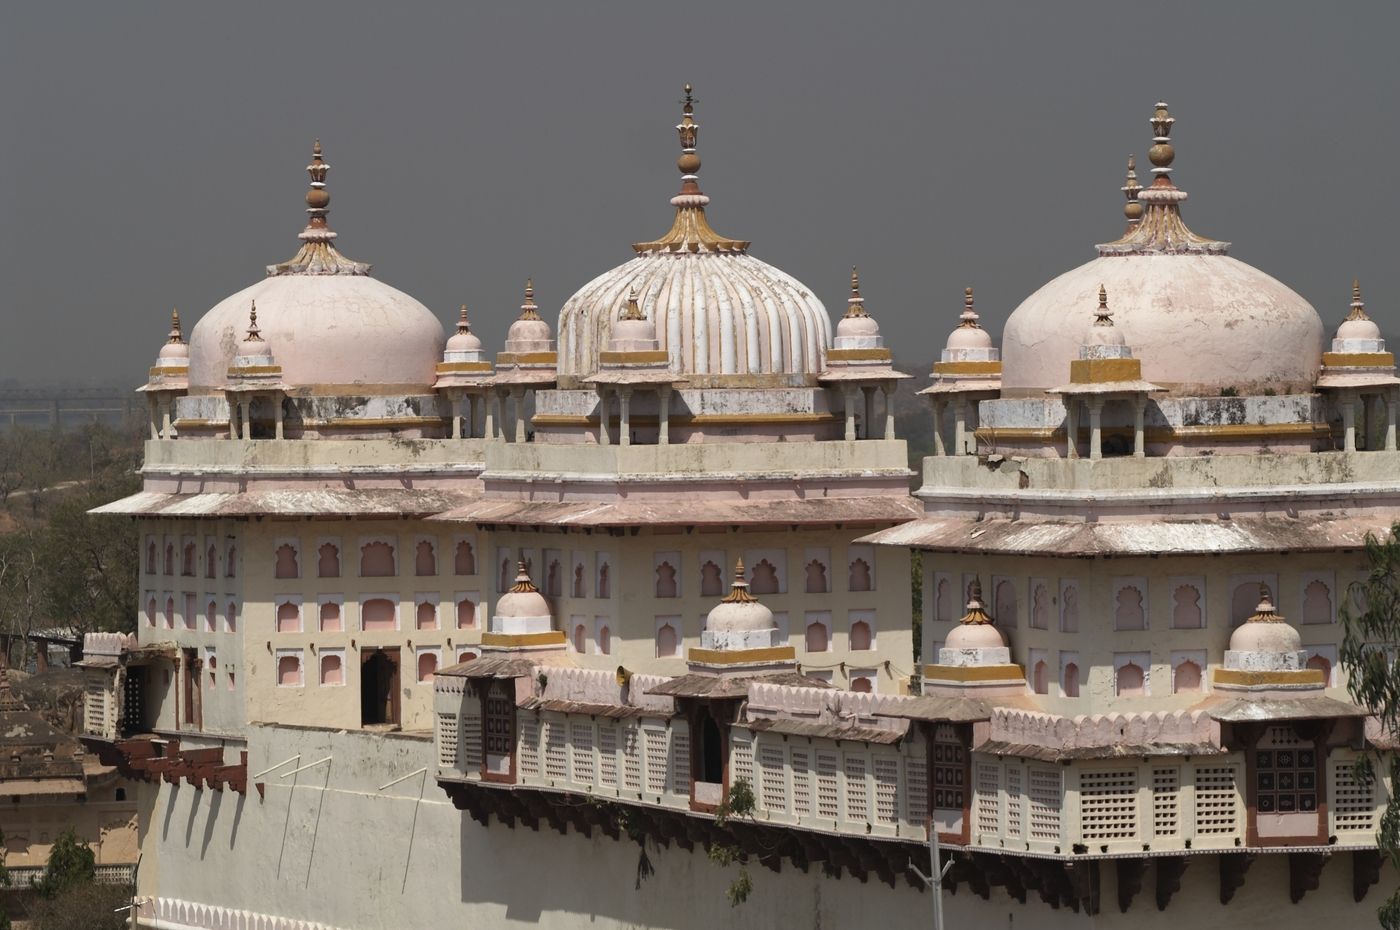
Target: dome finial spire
{"x": 968, "y": 318}
{"x": 463, "y": 327}
{"x": 1103, "y": 316}
{"x": 318, "y": 254}
{"x": 528, "y": 309}
{"x": 1358, "y": 306}
{"x": 1132, "y": 209}
{"x": 632, "y": 311}
{"x": 176, "y": 336}
{"x": 1162, "y": 154}
{"x": 739, "y": 590}
{"x": 318, "y": 199}
{"x": 855, "y": 304}
{"x": 254, "y": 334}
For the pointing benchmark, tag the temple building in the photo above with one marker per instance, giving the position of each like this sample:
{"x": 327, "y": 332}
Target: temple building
{"x": 419, "y": 628}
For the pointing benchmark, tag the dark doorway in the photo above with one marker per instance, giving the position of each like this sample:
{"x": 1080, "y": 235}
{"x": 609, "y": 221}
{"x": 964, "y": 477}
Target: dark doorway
{"x": 379, "y": 687}
{"x": 189, "y": 674}
{"x": 711, "y": 751}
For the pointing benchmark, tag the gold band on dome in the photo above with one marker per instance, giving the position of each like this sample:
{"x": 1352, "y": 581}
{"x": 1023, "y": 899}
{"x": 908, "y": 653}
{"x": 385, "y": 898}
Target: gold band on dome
{"x": 967, "y": 368}
{"x": 447, "y": 368}
{"x": 740, "y": 656}
{"x": 1358, "y": 359}
{"x": 858, "y": 355}
{"x": 1301, "y": 676}
{"x": 974, "y": 673}
{"x": 527, "y": 358}
{"x": 643, "y": 356}
{"x": 1104, "y": 370}
{"x": 547, "y": 638}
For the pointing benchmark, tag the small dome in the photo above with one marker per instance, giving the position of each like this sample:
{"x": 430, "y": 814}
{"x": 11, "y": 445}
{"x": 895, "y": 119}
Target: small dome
{"x": 976, "y": 629}
{"x": 1266, "y": 631}
{"x": 175, "y": 346}
{"x": 1358, "y": 325}
{"x": 336, "y": 329}
{"x": 969, "y": 334}
{"x": 1199, "y": 320}
{"x": 523, "y": 601}
{"x": 463, "y": 340}
{"x": 740, "y": 611}
{"x": 633, "y": 331}
{"x": 1102, "y": 332}
{"x": 857, "y": 326}
{"x": 529, "y": 333}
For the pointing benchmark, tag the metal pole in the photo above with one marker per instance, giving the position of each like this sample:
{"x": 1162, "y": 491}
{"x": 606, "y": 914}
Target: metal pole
{"x": 936, "y": 868}
{"x": 403, "y": 778}
{"x": 295, "y": 758}
{"x": 309, "y": 765}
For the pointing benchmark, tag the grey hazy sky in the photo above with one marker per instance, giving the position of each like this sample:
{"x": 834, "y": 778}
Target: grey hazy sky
{"x": 152, "y": 154}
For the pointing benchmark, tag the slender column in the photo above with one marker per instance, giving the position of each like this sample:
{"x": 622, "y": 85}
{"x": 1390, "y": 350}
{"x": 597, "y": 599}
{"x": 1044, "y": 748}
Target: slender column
{"x": 937, "y": 405}
{"x": 244, "y": 410}
{"x": 1348, "y": 424}
{"x": 624, "y": 426}
{"x": 960, "y": 426}
{"x": 277, "y": 416}
{"x": 517, "y": 403}
{"x": 850, "y": 414}
{"x": 604, "y": 438}
{"x": 232, "y": 416}
{"x": 151, "y": 417}
{"x": 1139, "y": 426}
{"x": 869, "y": 392}
{"x": 1375, "y": 428}
{"x": 664, "y": 423}
{"x": 164, "y": 418}
{"x": 1072, "y": 426}
{"x": 1390, "y": 421}
{"x": 491, "y": 412}
{"x": 1096, "y": 428}
{"x": 456, "y": 415}
{"x": 888, "y": 389}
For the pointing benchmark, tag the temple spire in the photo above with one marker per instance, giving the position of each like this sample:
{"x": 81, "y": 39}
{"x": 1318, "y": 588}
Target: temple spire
{"x": 1159, "y": 228}
{"x": 463, "y": 326}
{"x": 632, "y": 311}
{"x": 1103, "y": 316}
{"x": 855, "y": 305}
{"x": 976, "y": 610}
{"x": 1358, "y": 306}
{"x": 176, "y": 336}
{"x": 690, "y": 231}
{"x": 318, "y": 254}
{"x": 254, "y": 334}
{"x": 1132, "y": 210}
{"x": 523, "y": 584}
{"x": 528, "y": 309}
{"x": 968, "y": 318}
{"x": 739, "y": 590}
{"x": 1265, "y": 612}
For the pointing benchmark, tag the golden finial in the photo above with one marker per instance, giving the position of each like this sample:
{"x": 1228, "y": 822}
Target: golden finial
{"x": 855, "y": 306}
{"x": 976, "y": 610}
{"x": 968, "y": 318}
{"x": 632, "y": 311}
{"x": 523, "y": 584}
{"x": 1161, "y": 154}
{"x": 1265, "y": 612}
{"x": 1358, "y": 306}
{"x": 463, "y": 327}
{"x": 1132, "y": 209}
{"x": 739, "y": 590}
{"x": 254, "y": 334}
{"x": 689, "y": 131}
{"x": 318, "y": 198}
{"x": 175, "y": 334}
{"x": 1103, "y": 316}
{"x": 528, "y": 310}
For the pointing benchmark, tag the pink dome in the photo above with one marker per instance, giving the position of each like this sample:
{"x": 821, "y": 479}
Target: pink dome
{"x": 1359, "y": 329}
{"x": 1266, "y": 631}
{"x": 974, "y": 636}
{"x": 857, "y": 326}
{"x": 969, "y": 337}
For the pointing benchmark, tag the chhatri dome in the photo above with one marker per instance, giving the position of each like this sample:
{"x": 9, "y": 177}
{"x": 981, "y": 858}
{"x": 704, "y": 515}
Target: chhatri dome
{"x": 336, "y": 329}
{"x": 1198, "y": 319}
{"x": 718, "y": 311}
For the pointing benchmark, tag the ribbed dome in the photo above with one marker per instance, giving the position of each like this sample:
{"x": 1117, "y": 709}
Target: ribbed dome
{"x": 1199, "y": 320}
{"x": 334, "y": 327}
{"x": 717, "y": 310}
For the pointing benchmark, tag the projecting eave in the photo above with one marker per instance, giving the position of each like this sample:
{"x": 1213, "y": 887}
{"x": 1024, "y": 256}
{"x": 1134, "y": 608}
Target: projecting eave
{"x": 1255, "y": 709}
{"x": 1148, "y": 537}
{"x": 318, "y": 502}
{"x": 682, "y": 512}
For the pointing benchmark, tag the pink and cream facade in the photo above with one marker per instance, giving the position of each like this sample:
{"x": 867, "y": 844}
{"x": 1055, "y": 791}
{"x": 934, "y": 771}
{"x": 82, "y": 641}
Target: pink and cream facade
{"x": 403, "y": 607}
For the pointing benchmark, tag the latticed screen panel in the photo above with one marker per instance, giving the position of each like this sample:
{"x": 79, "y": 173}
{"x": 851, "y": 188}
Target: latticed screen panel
{"x": 556, "y": 754}
{"x": 470, "y": 735}
{"x": 949, "y": 770}
{"x": 1353, "y": 798}
{"x": 857, "y": 791}
{"x": 680, "y": 759}
{"x": 632, "y": 759}
{"x": 529, "y": 746}
{"x": 1044, "y": 802}
{"x": 95, "y": 710}
{"x": 1108, "y": 808}
{"x": 1285, "y": 773}
{"x": 581, "y": 752}
{"x": 655, "y": 744}
{"x": 1217, "y": 800}
{"x": 801, "y": 783}
{"x": 741, "y": 764}
{"x": 1166, "y": 801}
{"x": 916, "y": 789}
{"x": 988, "y": 797}
{"x": 447, "y": 740}
{"x": 886, "y": 771}
{"x": 500, "y": 718}
{"x": 1013, "y": 801}
{"x": 828, "y": 800}
{"x": 607, "y": 755}
{"x": 772, "y": 780}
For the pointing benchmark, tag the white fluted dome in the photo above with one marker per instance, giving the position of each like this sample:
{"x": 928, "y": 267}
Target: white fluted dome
{"x": 718, "y": 311}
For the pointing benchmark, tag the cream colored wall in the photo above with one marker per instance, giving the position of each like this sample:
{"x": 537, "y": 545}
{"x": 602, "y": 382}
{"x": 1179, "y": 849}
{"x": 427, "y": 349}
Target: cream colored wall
{"x": 634, "y": 608}
{"x": 107, "y": 825}
{"x": 1097, "y": 641}
{"x": 326, "y": 845}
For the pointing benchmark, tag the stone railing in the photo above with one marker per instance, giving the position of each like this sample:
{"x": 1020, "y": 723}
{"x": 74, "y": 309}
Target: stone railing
{"x": 1194, "y": 729}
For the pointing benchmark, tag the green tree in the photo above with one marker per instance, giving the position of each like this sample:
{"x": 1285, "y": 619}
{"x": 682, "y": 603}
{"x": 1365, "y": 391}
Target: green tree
{"x": 90, "y": 563}
{"x": 72, "y": 863}
{"x": 84, "y": 907}
{"x": 1371, "y": 655}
